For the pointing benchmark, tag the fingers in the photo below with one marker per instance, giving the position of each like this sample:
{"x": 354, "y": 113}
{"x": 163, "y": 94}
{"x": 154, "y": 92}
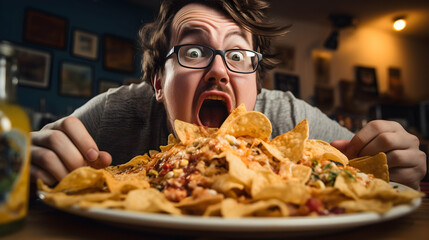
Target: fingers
{"x": 82, "y": 151}
{"x": 406, "y": 158}
{"x": 49, "y": 161}
{"x": 407, "y": 164}
{"x": 77, "y": 133}
{"x": 38, "y": 173}
{"x": 55, "y": 146}
{"x": 103, "y": 161}
{"x": 388, "y": 141}
{"x": 341, "y": 145}
{"x": 407, "y": 176}
{"x": 62, "y": 147}
{"x": 366, "y": 136}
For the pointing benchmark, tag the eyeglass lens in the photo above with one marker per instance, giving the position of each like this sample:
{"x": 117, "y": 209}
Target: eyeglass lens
{"x": 196, "y": 56}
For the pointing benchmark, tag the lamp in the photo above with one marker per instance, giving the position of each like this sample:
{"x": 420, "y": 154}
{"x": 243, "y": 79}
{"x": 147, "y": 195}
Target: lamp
{"x": 339, "y": 21}
{"x": 332, "y": 41}
{"x": 399, "y": 23}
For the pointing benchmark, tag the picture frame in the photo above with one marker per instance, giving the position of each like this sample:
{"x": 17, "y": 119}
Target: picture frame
{"x": 287, "y": 82}
{"x": 34, "y": 67}
{"x": 76, "y": 79}
{"x": 324, "y": 97}
{"x": 322, "y": 67}
{"x": 119, "y": 54}
{"x": 85, "y": 44}
{"x": 396, "y": 88}
{"x": 347, "y": 95}
{"x": 104, "y": 85}
{"x": 45, "y": 28}
{"x": 366, "y": 82}
{"x": 286, "y": 55}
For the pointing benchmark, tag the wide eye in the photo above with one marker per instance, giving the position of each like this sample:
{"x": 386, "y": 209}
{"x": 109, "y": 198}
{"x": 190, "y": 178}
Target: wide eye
{"x": 194, "y": 52}
{"x": 236, "y": 56}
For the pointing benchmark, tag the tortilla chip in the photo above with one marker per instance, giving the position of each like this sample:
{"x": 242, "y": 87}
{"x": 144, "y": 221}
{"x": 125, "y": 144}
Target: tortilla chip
{"x": 366, "y": 205}
{"x": 253, "y": 124}
{"x": 79, "y": 179}
{"x": 150, "y": 200}
{"x": 290, "y": 192}
{"x": 187, "y": 132}
{"x": 198, "y": 205}
{"x": 289, "y": 145}
{"x": 301, "y": 173}
{"x": 240, "y": 110}
{"x": 321, "y": 150}
{"x": 230, "y": 208}
{"x": 63, "y": 200}
{"x": 375, "y": 165}
{"x": 227, "y": 184}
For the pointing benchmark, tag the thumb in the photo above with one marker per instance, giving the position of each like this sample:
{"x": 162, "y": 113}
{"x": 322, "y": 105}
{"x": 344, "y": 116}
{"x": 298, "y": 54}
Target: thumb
{"x": 104, "y": 159}
{"x": 341, "y": 145}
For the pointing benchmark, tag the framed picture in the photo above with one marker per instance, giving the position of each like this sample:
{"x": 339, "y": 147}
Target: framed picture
{"x": 396, "y": 88}
{"x": 286, "y": 55}
{"x": 347, "y": 95}
{"x": 85, "y": 44}
{"x": 76, "y": 79}
{"x": 46, "y": 29}
{"x": 287, "y": 82}
{"x": 118, "y": 54}
{"x": 324, "y": 97}
{"x": 104, "y": 85}
{"x": 34, "y": 67}
{"x": 366, "y": 82}
{"x": 322, "y": 67}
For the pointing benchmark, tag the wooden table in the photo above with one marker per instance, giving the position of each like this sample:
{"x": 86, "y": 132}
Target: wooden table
{"x": 44, "y": 222}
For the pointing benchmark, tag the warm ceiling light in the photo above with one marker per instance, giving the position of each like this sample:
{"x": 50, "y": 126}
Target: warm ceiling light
{"x": 399, "y": 24}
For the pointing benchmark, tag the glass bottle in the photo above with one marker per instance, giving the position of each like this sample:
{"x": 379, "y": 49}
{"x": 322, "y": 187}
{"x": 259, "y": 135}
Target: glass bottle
{"x": 14, "y": 147}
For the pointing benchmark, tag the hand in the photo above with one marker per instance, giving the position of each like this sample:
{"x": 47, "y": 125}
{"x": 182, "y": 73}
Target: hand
{"x": 62, "y": 146}
{"x": 407, "y": 164}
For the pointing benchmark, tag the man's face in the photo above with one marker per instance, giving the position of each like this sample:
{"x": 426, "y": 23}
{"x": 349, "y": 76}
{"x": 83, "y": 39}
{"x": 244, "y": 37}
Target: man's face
{"x": 204, "y": 96}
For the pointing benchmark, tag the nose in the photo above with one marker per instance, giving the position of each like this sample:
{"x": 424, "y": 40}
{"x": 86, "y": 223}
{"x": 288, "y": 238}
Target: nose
{"x": 217, "y": 71}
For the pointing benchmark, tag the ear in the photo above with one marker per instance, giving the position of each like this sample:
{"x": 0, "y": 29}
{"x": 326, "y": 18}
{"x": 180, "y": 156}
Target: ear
{"x": 157, "y": 85}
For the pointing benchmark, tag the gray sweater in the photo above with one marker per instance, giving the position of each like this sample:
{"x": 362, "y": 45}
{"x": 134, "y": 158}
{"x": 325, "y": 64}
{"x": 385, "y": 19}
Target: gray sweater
{"x": 128, "y": 121}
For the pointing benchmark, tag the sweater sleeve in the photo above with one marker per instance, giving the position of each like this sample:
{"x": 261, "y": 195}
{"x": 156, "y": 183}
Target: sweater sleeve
{"x": 285, "y": 111}
{"x": 91, "y": 113}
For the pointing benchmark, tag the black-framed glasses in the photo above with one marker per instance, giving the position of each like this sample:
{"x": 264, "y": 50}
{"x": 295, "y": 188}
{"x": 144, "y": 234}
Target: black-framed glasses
{"x": 198, "y": 56}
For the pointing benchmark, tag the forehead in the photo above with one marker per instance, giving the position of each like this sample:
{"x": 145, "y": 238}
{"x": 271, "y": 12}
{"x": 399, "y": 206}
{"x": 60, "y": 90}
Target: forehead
{"x": 198, "y": 18}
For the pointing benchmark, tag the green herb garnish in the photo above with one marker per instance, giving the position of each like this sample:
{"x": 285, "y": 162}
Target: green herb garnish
{"x": 332, "y": 177}
{"x": 315, "y": 162}
{"x": 336, "y": 163}
{"x": 350, "y": 175}
{"x": 327, "y": 166}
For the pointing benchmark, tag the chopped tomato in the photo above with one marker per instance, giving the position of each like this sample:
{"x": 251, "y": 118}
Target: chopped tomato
{"x": 315, "y": 205}
{"x": 166, "y": 167}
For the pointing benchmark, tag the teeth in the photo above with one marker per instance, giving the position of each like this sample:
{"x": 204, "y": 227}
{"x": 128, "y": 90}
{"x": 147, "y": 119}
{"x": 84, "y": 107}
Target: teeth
{"x": 215, "y": 97}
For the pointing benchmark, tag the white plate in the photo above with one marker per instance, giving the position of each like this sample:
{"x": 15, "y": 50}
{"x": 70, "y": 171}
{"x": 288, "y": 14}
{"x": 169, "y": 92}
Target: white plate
{"x": 291, "y": 225}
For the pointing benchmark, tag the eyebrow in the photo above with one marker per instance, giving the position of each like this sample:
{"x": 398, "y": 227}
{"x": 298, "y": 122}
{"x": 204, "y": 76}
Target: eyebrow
{"x": 190, "y": 31}
{"x": 238, "y": 33}
{"x": 187, "y": 31}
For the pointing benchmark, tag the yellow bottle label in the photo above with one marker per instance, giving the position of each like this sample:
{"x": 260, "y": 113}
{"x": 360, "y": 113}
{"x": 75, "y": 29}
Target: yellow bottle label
{"x": 14, "y": 167}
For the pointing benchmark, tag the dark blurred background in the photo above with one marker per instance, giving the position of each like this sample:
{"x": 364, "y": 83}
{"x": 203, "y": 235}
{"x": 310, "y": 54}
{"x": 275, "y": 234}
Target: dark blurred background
{"x": 341, "y": 56}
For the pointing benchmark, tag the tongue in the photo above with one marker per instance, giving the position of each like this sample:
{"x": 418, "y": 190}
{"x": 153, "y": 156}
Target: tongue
{"x": 213, "y": 113}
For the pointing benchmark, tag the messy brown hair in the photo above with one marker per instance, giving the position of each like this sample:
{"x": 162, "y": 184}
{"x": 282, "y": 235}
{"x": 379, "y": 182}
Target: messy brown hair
{"x": 250, "y": 14}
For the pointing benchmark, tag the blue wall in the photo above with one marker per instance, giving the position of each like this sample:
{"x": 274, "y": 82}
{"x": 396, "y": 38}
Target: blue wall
{"x": 101, "y": 17}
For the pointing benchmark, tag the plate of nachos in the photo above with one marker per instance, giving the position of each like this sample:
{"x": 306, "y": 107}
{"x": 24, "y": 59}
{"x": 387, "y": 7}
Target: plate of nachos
{"x": 235, "y": 179}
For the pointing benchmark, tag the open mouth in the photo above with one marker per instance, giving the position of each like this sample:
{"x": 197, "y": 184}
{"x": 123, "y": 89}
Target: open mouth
{"x": 213, "y": 111}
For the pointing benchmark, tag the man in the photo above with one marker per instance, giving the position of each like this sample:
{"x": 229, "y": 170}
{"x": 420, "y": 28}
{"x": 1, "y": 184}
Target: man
{"x": 202, "y": 59}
